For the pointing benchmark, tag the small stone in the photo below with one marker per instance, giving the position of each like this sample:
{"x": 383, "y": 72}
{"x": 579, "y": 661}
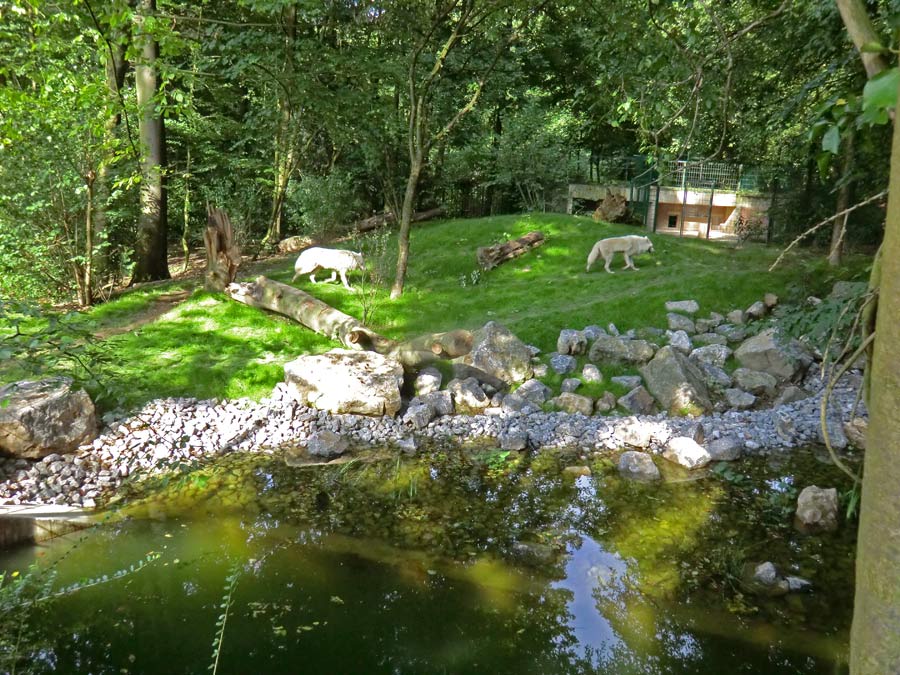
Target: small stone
{"x": 513, "y": 439}
{"x": 612, "y": 330}
{"x": 685, "y": 306}
{"x": 681, "y": 322}
{"x": 725, "y": 449}
{"x": 736, "y": 317}
{"x": 757, "y": 310}
{"x": 817, "y": 510}
{"x": 577, "y": 471}
{"x": 638, "y": 401}
{"x": 770, "y": 300}
{"x": 790, "y": 394}
{"x": 739, "y": 399}
{"x": 764, "y": 579}
{"x": 570, "y": 384}
{"x": 327, "y": 444}
{"x": 686, "y": 452}
{"x": 593, "y": 332}
{"x": 407, "y": 444}
{"x": 755, "y": 381}
{"x": 574, "y": 403}
{"x": 540, "y": 370}
{"x": 518, "y": 404}
{"x": 713, "y": 354}
{"x": 428, "y": 380}
{"x": 591, "y": 373}
{"x": 535, "y": 391}
{"x": 605, "y": 403}
{"x": 638, "y": 465}
{"x": 563, "y": 363}
{"x": 571, "y": 342}
{"x": 627, "y": 381}
{"x": 798, "y": 584}
{"x": 680, "y": 340}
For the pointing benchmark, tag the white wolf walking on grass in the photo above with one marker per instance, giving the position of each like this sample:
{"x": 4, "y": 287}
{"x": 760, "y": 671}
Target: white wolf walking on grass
{"x": 338, "y": 261}
{"x": 629, "y": 245}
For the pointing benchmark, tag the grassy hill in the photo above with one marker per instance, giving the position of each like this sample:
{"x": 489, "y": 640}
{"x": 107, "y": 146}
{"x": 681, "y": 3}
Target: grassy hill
{"x": 207, "y": 346}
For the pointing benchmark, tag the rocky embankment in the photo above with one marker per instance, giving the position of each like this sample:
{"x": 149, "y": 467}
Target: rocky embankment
{"x": 169, "y": 432}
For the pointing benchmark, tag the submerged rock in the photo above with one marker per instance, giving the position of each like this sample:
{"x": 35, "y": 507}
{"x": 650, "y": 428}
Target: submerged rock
{"x": 638, "y": 465}
{"x": 327, "y": 445}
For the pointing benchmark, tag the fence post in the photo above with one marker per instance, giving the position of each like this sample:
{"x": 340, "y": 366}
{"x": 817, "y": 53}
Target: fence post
{"x": 712, "y": 195}
{"x": 683, "y": 199}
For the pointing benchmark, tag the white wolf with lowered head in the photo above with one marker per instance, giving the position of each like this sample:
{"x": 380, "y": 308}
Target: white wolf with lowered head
{"x": 629, "y": 245}
{"x": 338, "y": 261}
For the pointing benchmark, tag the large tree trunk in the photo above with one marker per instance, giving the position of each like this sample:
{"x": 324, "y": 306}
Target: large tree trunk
{"x": 490, "y": 256}
{"x": 150, "y": 247}
{"x": 308, "y": 310}
{"x": 223, "y": 257}
{"x": 875, "y": 638}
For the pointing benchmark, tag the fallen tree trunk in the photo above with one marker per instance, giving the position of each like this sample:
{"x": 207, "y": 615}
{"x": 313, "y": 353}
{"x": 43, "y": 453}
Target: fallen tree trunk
{"x": 321, "y": 317}
{"x": 491, "y": 256}
{"x": 388, "y": 217}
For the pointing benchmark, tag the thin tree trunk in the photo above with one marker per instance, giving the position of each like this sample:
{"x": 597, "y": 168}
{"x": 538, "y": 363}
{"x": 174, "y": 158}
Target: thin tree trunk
{"x": 150, "y": 247}
{"x": 862, "y": 32}
{"x": 116, "y": 67}
{"x": 186, "y": 249}
{"x": 88, "y": 298}
{"x": 284, "y": 139}
{"x": 409, "y": 198}
{"x": 875, "y": 637}
{"x": 839, "y": 227}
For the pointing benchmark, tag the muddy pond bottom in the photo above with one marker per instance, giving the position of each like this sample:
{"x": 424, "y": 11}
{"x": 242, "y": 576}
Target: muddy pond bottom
{"x": 464, "y": 561}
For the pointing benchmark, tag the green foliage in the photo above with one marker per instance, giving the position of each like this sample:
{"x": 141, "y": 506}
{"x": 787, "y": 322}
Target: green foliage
{"x": 35, "y": 343}
{"x": 323, "y": 203}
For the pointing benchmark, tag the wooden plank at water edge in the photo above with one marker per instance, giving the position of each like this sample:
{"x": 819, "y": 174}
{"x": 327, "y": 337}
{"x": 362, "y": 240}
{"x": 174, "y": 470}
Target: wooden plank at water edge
{"x": 490, "y": 256}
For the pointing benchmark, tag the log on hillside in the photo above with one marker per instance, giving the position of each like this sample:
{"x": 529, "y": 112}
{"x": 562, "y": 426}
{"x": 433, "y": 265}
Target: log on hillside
{"x": 223, "y": 257}
{"x": 321, "y": 317}
{"x": 491, "y": 256}
{"x": 388, "y": 217}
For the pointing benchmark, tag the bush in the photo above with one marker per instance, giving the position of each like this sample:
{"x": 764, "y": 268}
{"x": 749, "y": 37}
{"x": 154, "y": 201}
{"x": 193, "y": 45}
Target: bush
{"x": 322, "y": 203}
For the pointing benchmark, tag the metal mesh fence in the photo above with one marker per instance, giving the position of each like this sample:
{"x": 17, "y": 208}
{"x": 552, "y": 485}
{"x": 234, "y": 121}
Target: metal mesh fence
{"x": 709, "y": 176}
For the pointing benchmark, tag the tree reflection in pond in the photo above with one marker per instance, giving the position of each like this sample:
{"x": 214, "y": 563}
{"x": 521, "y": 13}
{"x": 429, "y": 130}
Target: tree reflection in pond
{"x": 465, "y": 561}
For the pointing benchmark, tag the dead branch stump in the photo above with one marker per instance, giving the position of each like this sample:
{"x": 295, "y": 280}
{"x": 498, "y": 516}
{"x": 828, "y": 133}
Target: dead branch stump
{"x": 223, "y": 257}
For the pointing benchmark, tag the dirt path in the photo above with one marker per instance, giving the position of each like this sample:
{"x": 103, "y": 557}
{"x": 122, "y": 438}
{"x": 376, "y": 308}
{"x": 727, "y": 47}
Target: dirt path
{"x": 159, "y": 306}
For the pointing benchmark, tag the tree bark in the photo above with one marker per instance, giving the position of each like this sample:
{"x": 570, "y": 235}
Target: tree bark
{"x": 324, "y": 319}
{"x": 151, "y": 262}
{"x": 875, "y": 636}
{"x": 862, "y": 32}
{"x": 490, "y": 256}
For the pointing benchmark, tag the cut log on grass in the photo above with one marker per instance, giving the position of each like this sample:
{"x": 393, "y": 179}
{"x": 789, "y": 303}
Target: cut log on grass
{"x": 321, "y": 317}
{"x": 388, "y": 217}
{"x": 491, "y": 256}
{"x": 222, "y": 255}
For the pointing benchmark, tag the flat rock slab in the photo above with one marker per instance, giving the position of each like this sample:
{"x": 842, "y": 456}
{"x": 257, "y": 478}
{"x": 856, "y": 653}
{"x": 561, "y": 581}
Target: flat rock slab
{"x": 42, "y": 417}
{"x": 31, "y": 524}
{"x": 345, "y": 381}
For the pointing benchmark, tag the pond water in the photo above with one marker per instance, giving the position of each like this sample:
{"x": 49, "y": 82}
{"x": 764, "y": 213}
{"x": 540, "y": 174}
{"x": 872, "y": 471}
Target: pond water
{"x": 463, "y": 561}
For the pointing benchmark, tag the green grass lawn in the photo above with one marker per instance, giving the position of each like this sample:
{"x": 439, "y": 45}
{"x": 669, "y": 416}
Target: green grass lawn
{"x": 208, "y": 346}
